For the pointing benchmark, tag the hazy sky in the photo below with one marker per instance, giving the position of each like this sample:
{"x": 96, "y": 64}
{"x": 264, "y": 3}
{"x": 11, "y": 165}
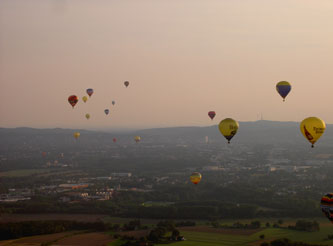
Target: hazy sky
{"x": 182, "y": 58}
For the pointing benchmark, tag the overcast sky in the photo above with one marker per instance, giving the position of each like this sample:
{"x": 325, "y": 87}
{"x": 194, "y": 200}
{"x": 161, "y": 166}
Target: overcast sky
{"x": 182, "y": 58}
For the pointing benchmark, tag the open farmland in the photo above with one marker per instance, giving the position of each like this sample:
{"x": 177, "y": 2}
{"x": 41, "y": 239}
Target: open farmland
{"x": 63, "y": 239}
{"x": 204, "y": 236}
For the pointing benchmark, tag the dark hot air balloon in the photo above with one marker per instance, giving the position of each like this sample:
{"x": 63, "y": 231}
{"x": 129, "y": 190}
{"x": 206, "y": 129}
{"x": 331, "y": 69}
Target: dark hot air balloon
{"x": 283, "y": 88}
{"x": 90, "y": 92}
{"x": 211, "y": 114}
{"x": 73, "y": 100}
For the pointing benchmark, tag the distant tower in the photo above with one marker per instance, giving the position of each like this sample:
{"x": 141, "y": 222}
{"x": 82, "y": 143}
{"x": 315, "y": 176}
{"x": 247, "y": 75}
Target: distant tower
{"x": 262, "y": 117}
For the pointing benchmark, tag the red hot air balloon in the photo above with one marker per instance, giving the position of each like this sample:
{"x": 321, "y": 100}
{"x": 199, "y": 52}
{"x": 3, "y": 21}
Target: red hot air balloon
{"x": 114, "y": 140}
{"x": 211, "y": 114}
{"x": 73, "y": 100}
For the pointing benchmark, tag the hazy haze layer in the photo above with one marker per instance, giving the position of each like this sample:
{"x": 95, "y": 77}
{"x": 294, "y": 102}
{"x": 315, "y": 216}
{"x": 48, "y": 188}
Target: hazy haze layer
{"x": 182, "y": 58}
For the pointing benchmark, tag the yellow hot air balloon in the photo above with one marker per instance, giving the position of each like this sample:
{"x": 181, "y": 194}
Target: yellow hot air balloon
{"x": 312, "y": 128}
{"x": 84, "y": 99}
{"x": 76, "y": 135}
{"x": 137, "y": 139}
{"x": 195, "y": 178}
{"x": 88, "y": 116}
{"x": 228, "y": 128}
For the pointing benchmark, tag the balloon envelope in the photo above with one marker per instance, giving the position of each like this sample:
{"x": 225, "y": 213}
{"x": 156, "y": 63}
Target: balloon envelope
{"x": 113, "y": 102}
{"x": 106, "y": 111}
{"x": 137, "y": 139}
{"x": 326, "y": 205}
{"x": 211, "y": 114}
{"x": 283, "y": 88}
{"x": 195, "y": 177}
{"x": 88, "y": 116}
{"x": 76, "y": 135}
{"x": 84, "y": 99}
{"x": 73, "y": 100}
{"x": 228, "y": 128}
{"x": 312, "y": 128}
{"x": 90, "y": 92}
{"x": 126, "y": 83}
{"x": 114, "y": 140}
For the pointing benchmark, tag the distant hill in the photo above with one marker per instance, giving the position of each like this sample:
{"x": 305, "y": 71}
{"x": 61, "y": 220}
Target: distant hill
{"x": 257, "y": 132}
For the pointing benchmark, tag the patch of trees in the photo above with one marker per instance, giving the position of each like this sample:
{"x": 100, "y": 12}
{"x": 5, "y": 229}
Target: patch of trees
{"x": 121, "y": 207}
{"x": 303, "y": 225}
{"x": 329, "y": 237}
{"x": 185, "y": 223}
{"x": 286, "y": 242}
{"x": 156, "y": 235}
{"x": 133, "y": 225}
{"x": 31, "y": 228}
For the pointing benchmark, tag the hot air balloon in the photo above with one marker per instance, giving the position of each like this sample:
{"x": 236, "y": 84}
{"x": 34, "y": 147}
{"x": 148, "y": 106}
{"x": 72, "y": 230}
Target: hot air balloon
{"x": 195, "y": 178}
{"x": 312, "y": 128}
{"x": 76, "y": 135}
{"x": 283, "y": 88}
{"x": 137, "y": 139}
{"x": 126, "y": 83}
{"x": 90, "y": 92}
{"x": 326, "y": 205}
{"x": 84, "y": 99}
{"x": 211, "y": 114}
{"x": 106, "y": 111}
{"x": 228, "y": 128}
{"x": 43, "y": 154}
{"x": 88, "y": 116}
{"x": 113, "y": 103}
{"x": 73, "y": 100}
{"x": 114, "y": 140}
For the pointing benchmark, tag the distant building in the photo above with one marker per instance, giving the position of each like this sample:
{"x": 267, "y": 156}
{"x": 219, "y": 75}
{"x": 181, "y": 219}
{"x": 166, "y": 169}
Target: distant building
{"x": 121, "y": 175}
{"x": 103, "y": 178}
{"x": 212, "y": 168}
{"x": 73, "y": 186}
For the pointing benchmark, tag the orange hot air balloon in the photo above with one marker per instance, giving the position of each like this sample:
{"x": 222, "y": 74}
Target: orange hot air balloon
{"x": 137, "y": 139}
{"x": 76, "y": 135}
{"x": 195, "y": 177}
{"x": 73, "y": 100}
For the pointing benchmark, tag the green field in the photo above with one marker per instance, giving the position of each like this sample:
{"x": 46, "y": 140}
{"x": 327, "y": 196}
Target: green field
{"x": 202, "y": 238}
{"x": 217, "y": 239}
